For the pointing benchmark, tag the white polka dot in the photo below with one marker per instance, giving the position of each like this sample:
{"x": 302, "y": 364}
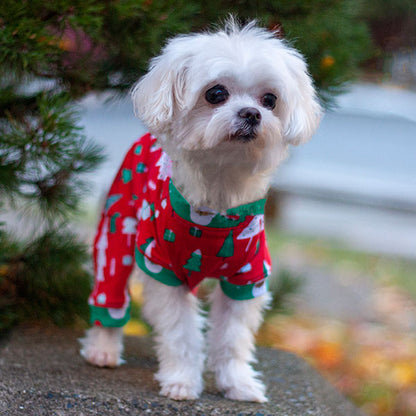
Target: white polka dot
{"x": 101, "y": 298}
{"x": 151, "y": 185}
{"x": 127, "y": 260}
{"x": 246, "y": 268}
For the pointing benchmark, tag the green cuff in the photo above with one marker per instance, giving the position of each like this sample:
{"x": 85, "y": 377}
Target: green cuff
{"x": 102, "y": 316}
{"x": 244, "y": 292}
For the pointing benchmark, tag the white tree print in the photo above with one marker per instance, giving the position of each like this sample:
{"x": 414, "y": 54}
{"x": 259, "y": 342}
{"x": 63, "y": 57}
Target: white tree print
{"x": 254, "y": 228}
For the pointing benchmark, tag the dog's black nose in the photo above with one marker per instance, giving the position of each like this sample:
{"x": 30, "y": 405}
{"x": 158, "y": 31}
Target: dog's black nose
{"x": 251, "y": 115}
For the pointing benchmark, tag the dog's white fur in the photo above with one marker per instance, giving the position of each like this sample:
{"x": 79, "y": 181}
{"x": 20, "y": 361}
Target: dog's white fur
{"x": 213, "y": 168}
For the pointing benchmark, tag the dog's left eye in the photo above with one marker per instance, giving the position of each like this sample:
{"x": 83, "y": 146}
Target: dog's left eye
{"x": 269, "y": 101}
{"x": 217, "y": 94}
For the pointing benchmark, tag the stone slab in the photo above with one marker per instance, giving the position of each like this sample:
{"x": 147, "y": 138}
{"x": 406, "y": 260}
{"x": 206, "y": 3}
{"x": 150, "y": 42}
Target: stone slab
{"x": 41, "y": 373}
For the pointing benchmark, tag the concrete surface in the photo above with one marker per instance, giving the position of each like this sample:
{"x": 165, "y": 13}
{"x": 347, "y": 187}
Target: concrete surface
{"x": 41, "y": 373}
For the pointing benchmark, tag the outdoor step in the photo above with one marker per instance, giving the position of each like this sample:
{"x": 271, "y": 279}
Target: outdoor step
{"x": 43, "y": 374}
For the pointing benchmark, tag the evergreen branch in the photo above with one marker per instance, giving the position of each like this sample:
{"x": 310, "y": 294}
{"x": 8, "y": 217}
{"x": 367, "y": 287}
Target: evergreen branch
{"x": 49, "y": 152}
{"x": 46, "y": 279}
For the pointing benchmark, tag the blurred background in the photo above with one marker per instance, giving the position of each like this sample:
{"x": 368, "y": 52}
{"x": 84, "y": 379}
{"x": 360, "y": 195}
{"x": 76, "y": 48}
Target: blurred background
{"x": 341, "y": 214}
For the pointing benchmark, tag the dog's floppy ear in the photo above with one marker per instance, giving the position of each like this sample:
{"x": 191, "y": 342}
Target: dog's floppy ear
{"x": 303, "y": 112}
{"x": 161, "y": 92}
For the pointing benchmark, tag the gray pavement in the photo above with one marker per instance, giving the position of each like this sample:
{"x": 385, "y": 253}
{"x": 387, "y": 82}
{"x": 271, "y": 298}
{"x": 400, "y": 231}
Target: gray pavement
{"x": 41, "y": 373}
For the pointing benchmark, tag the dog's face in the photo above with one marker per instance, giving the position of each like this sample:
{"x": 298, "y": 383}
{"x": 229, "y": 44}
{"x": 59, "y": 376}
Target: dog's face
{"x": 238, "y": 90}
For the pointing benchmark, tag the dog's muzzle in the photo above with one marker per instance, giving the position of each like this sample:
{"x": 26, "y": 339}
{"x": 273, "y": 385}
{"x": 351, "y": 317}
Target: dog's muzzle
{"x": 249, "y": 120}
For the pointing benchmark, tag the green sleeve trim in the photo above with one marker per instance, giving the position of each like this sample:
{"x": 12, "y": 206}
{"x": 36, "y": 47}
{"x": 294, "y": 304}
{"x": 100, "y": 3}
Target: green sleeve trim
{"x": 244, "y": 292}
{"x": 181, "y": 206}
{"x": 168, "y": 277}
{"x": 102, "y": 315}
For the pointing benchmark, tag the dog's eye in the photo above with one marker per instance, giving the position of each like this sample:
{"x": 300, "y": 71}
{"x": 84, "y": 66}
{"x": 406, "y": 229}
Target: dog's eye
{"x": 217, "y": 94}
{"x": 269, "y": 101}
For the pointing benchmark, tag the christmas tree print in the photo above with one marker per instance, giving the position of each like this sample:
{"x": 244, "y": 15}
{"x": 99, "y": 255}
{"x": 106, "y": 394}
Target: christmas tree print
{"x": 147, "y": 211}
{"x": 255, "y": 227}
{"x": 165, "y": 167}
{"x": 193, "y": 264}
{"x": 169, "y": 235}
{"x": 227, "y": 249}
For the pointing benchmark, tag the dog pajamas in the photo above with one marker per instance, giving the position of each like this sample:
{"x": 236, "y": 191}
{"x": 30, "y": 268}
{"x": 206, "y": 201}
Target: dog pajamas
{"x": 146, "y": 220}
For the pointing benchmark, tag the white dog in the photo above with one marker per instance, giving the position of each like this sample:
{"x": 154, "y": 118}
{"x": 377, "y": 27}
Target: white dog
{"x": 224, "y": 108}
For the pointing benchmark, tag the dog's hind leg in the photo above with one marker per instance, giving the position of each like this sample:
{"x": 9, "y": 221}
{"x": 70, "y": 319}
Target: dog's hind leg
{"x": 232, "y": 325}
{"x": 175, "y": 316}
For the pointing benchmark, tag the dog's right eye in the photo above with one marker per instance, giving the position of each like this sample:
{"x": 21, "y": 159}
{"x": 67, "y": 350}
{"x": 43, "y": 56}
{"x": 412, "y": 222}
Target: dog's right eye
{"x": 217, "y": 94}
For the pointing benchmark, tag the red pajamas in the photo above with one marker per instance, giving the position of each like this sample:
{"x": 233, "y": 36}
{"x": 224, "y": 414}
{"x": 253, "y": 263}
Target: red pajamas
{"x": 146, "y": 217}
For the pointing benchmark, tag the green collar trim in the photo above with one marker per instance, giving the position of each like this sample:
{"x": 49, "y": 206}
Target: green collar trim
{"x": 216, "y": 219}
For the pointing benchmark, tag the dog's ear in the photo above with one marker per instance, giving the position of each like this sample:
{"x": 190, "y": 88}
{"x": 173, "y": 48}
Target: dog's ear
{"x": 159, "y": 94}
{"x": 302, "y": 109}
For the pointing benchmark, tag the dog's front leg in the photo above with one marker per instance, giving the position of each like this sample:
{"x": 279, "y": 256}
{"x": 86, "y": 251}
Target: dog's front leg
{"x": 174, "y": 314}
{"x": 232, "y": 325}
{"x": 103, "y": 347}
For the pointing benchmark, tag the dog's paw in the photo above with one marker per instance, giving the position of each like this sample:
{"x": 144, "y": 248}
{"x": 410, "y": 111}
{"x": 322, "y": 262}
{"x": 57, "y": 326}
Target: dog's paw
{"x": 102, "y": 347}
{"x": 99, "y": 358}
{"x": 179, "y": 391}
{"x": 248, "y": 392}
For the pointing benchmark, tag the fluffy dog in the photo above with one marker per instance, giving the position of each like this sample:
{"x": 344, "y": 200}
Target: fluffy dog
{"x": 224, "y": 108}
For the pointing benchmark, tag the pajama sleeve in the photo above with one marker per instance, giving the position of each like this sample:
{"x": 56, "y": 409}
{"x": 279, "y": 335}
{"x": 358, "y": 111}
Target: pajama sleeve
{"x": 113, "y": 250}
